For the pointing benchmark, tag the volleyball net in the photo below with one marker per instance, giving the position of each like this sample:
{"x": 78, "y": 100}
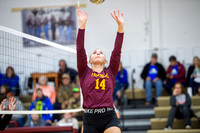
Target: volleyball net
{"x": 24, "y": 60}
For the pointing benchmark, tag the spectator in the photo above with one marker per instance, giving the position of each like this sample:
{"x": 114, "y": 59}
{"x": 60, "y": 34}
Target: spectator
{"x": 68, "y": 120}
{"x": 65, "y": 91}
{"x": 74, "y": 103}
{"x": 175, "y": 73}
{"x": 5, "y": 119}
{"x": 153, "y": 74}
{"x": 19, "y": 107}
{"x": 34, "y": 121}
{"x": 12, "y": 80}
{"x": 64, "y": 69}
{"x": 121, "y": 81}
{"x": 181, "y": 107}
{"x": 42, "y": 103}
{"x": 48, "y": 91}
{"x": 38, "y": 29}
{"x": 53, "y": 27}
{"x": 193, "y": 75}
{"x": 30, "y": 24}
{"x": 2, "y": 77}
{"x": 46, "y": 27}
{"x": 4, "y": 90}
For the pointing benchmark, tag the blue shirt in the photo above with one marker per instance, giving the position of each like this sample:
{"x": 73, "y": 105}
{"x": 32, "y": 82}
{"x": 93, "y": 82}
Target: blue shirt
{"x": 1, "y": 79}
{"x": 153, "y": 72}
{"x": 174, "y": 72}
{"x": 123, "y": 78}
{"x": 12, "y": 82}
{"x": 43, "y": 103}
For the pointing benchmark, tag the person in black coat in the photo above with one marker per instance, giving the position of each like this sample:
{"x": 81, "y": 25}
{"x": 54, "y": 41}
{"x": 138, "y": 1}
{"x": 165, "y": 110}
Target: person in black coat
{"x": 193, "y": 74}
{"x": 153, "y": 74}
{"x": 180, "y": 107}
{"x": 5, "y": 119}
{"x": 64, "y": 69}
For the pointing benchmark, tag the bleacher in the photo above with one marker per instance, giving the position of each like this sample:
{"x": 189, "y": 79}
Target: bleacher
{"x": 161, "y": 116}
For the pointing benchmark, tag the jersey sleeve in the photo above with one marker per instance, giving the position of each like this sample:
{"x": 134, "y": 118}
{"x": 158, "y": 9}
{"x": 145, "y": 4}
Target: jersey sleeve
{"x": 81, "y": 54}
{"x": 116, "y": 54}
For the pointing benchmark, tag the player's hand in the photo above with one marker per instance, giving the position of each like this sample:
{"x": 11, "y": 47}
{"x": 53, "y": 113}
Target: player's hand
{"x": 12, "y": 104}
{"x": 82, "y": 18}
{"x": 119, "y": 19}
{"x": 2, "y": 103}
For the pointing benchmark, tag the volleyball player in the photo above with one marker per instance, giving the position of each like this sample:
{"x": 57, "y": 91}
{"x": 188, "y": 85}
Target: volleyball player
{"x": 98, "y": 83}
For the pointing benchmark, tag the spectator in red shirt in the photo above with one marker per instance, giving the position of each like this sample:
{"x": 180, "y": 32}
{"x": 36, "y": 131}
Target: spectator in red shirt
{"x": 175, "y": 73}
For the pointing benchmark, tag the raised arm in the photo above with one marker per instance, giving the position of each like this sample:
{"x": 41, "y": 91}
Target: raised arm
{"x": 116, "y": 53}
{"x": 81, "y": 54}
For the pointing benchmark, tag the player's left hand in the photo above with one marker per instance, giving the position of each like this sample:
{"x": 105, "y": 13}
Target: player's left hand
{"x": 118, "y": 17}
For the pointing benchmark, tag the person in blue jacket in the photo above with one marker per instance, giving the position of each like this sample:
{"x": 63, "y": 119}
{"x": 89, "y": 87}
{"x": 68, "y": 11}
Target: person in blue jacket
{"x": 1, "y": 79}
{"x": 42, "y": 103}
{"x": 12, "y": 80}
{"x": 121, "y": 82}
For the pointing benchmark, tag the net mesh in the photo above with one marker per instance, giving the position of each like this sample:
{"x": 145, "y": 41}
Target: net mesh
{"x": 31, "y": 57}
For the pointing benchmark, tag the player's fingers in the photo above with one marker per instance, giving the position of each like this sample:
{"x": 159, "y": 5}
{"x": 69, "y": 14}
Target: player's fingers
{"x": 115, "y": 13}
{"x": 112, "y": 15}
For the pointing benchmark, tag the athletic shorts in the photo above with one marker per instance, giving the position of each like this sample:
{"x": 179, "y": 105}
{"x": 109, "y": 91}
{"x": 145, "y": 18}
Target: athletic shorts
{"x": 100, "y": 121}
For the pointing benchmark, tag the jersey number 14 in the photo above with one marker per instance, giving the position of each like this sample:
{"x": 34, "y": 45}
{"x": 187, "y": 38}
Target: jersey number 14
{"x": 102, "y": 84}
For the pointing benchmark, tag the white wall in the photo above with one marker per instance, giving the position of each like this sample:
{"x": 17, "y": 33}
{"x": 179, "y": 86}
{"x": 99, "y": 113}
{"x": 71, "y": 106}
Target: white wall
{"x": 170, "y": 26}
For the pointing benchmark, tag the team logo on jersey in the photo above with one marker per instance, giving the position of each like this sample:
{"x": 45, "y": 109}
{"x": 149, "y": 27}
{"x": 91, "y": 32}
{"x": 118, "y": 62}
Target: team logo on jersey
{"x": 99, "y": 75}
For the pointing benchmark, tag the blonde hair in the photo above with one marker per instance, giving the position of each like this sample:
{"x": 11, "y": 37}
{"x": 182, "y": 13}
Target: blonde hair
{"x": 43, "y": 77}
{"x": 196, "y": 57}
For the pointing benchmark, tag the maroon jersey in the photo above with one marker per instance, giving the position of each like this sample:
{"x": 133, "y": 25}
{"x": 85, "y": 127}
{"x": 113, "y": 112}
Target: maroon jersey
{"x": 97, "y": 88}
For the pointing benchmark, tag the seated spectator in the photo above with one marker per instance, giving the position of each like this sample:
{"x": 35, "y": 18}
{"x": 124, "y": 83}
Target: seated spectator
{"x": 47, "y": 90}
{"x": 181, "y": 107}
{"x": 12, "y": 80}
{"x": 65, "y": 91}
{"x": 74, "y": 103}
{"x": 42, "y": 103}
{"x": 4, "y": 90}
{"x": 121, "y": 81}
{"x": 64, "y": 69}
{"x": 19, "y": 107}
{"x": 68, "y": 120}
{"x": 175, "y": 73}
{"x": 153, "y": 75}
{"x": 34, "y": 121}
{"x": 2, "y": 77}
{"x": 5, "y": 119}
{"x": 193, "y": 75}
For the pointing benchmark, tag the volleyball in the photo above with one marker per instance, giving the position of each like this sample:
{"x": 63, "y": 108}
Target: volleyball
{"x": 97, "y": 1}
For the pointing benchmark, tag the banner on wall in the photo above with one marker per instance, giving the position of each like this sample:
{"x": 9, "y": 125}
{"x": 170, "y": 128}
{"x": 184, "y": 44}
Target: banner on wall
{"x": 53, "y": 24}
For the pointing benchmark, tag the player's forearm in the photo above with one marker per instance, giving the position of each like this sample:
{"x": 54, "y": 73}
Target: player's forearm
{"x": 80, "y": 39}
{"x": 120, "y": 28}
